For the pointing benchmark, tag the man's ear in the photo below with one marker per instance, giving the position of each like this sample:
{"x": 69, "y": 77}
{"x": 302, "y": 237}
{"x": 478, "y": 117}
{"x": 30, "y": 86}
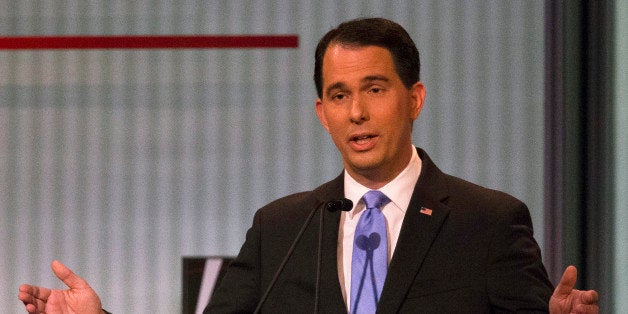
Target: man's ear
{"x": 418, "y": 98}
{"x": 320, "y": 113}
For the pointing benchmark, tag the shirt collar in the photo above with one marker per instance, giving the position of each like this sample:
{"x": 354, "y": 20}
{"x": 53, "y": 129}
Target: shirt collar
{"x": 399, "y": 190}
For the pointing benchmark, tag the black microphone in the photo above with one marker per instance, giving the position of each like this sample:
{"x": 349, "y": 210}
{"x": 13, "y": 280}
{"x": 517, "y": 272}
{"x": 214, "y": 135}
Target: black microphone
{"x": 340, "y": 204}
{"x": 343, "y": 204}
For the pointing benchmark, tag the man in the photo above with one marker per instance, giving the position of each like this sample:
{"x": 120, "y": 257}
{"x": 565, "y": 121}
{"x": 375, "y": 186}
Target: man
{"x": 452, "y": 246}
{"x": 447, "y": 245}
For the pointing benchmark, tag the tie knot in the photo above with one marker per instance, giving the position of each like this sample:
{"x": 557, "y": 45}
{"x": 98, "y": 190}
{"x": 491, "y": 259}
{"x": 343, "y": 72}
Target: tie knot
{"x": 375, "y": 199}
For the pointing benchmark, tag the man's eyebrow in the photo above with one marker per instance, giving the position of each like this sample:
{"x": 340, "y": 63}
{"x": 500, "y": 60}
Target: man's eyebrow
{"x": 365, "y": 80}
{"x": 372, "y": 78}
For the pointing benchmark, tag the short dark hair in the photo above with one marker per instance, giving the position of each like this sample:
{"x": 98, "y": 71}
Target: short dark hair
{"x": 372, "y": 32}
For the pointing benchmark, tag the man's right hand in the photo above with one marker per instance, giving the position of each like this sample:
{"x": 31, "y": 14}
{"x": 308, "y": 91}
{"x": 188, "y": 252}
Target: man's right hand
{"x": 79, "y": 298}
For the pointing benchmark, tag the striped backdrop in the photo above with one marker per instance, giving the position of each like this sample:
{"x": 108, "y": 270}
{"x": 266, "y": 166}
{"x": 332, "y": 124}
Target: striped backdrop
{"x": 120, "y": 162}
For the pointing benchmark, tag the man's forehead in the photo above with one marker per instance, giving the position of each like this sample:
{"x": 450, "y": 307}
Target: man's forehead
{"x": 363, "y": 64}
{"x": 346, "y": 53}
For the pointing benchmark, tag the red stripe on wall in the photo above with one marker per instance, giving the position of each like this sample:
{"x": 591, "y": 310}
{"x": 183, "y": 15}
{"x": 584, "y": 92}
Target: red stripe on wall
{"x": 148, "y": 42}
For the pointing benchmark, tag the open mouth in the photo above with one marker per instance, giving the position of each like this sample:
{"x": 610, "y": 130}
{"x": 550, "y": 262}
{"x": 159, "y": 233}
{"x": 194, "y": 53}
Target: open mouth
{"x": 362, "y": 138}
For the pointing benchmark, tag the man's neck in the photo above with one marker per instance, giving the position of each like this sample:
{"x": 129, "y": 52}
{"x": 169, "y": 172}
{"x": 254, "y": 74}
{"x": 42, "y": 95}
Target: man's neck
{"x": 376, "y": 178}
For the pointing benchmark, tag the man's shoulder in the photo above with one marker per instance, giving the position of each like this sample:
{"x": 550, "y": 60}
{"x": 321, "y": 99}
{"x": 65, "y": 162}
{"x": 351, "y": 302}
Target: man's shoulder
{"x": 291, "y": 200}
{"x": 305, "y": 201}
{"x": 466, "y": 190}
{"x": 472, "y": 202}
{"x": 458, "y": 190}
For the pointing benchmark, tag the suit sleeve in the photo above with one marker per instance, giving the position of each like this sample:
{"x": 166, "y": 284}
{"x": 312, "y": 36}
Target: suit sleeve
{"x": 239, "y": 290}
{"x": 517, "y": 280}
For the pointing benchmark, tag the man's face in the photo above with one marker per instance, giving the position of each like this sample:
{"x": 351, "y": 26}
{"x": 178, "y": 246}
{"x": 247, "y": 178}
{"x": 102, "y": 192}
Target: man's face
{"x": 368, "y": 112}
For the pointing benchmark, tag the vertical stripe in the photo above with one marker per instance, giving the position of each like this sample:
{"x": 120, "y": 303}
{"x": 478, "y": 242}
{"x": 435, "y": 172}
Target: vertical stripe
{"x": 620, "y": 267}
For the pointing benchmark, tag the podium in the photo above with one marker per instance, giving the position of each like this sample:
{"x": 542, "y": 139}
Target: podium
{"x": 200, "y": 276}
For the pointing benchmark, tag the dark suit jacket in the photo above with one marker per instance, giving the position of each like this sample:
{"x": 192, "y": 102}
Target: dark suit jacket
{"x": 474, "y": 254}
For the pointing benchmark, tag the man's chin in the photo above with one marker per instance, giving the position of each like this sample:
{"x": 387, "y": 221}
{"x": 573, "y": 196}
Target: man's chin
{"x": 364, "y": 168}
{"x": 363, "y": 162}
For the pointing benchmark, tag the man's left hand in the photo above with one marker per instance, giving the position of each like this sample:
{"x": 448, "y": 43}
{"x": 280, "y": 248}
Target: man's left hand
{"x": 567, "y": 300}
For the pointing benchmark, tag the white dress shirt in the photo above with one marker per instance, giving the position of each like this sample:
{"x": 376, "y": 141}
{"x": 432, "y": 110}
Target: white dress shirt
{"x": 399, "y": 191}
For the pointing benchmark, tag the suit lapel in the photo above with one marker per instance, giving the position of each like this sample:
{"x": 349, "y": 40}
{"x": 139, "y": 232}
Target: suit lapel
{"x": 421, "y": 225}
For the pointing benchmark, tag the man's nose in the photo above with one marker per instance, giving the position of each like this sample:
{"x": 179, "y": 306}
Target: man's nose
{"x": 359, "y": 111}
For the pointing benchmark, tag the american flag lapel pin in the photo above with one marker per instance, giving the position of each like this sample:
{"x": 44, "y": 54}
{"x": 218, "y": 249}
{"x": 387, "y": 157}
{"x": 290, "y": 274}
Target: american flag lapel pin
{"x": 425, "y": 211}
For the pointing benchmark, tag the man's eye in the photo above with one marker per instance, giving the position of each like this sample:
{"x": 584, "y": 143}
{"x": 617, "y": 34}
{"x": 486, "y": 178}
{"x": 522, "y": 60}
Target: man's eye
{"x": 339, "y": 97}
{"x": 376, "y": 90}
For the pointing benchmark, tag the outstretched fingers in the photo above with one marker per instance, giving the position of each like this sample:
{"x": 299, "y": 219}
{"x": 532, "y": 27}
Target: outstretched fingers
{"x": 33, "y": 297}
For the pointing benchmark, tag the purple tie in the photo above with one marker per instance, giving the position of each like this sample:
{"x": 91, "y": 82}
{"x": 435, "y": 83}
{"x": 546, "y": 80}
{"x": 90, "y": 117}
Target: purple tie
{"x": 369, "y": 261}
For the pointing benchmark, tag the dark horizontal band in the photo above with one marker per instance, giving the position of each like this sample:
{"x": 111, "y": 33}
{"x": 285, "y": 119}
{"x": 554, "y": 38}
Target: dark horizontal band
{"x": 148, "y": 42}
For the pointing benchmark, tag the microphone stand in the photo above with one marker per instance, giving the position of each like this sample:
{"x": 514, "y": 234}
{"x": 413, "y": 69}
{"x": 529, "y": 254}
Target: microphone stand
{"x": 332, "y": 206}
{"x": 335, "y": 205}
{"x": 318, "y": 261}
{"x": 286, "y": 258}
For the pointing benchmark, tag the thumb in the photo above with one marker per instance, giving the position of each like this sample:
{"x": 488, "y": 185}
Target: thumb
{"x": 567, "y": 282}
{"x": 68, "y": 277}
